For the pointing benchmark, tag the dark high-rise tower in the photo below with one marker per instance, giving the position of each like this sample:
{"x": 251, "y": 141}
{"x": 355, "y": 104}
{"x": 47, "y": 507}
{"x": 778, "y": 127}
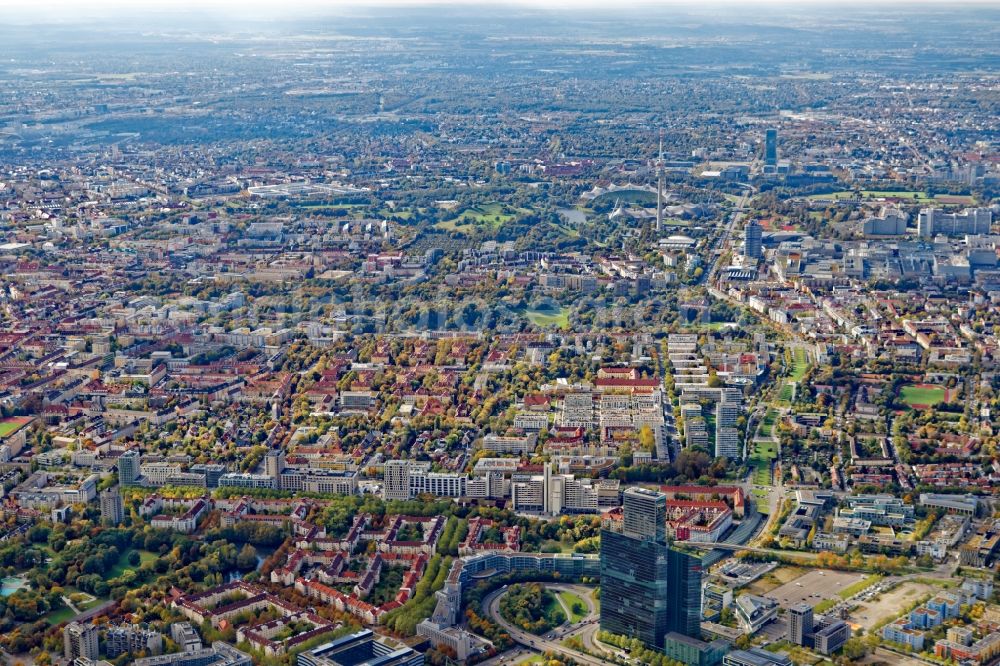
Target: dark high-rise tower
{"x": 771, "y": 147}
{"x": 645, "y": 514}
{"x": 684, "y": 591}
{"x": 648, "y": 588}
{"x": 634, "y": 588}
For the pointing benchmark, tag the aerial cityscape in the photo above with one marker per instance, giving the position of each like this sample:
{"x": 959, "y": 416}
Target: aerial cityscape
{"x": 514, "y": 335}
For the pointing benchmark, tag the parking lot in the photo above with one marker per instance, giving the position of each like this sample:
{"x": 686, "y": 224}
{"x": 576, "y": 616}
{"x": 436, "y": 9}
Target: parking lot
{"x": 814, "y": 587}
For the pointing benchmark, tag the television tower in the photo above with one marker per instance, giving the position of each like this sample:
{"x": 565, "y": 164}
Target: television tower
{"x": 659, "y": 187}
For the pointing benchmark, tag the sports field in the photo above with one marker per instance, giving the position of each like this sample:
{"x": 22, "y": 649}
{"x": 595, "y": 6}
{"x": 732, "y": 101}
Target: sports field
{"x": 923, "y": 396}
{"x": 9, "y": 426}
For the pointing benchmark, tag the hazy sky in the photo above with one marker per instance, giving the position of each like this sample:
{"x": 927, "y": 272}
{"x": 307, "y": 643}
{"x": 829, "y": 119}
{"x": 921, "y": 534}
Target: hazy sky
{"x": 140, "y": 13}
{"x": 83, "y": 7}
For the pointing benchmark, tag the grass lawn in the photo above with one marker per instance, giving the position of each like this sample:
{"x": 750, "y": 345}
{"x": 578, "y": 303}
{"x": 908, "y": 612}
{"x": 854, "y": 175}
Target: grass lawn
{"x": 922, "y": 395}
{"x": 545, "y": 317}
{"x": 553, "y": 611}
{"x": 763, "y": 453}
{"x": 576, "y": 606}
{"x": 533, "y": 659}
{"x": 569, "y": 232}
{"x": 800, "y": 365}
{"x": 761, "y": 472}
{"x": 87, "y": 600}
{"x": 489, "y": 215}
{"x": 62, "y": 614}
{"x": 825, "y": 605}
{"x": 767, "y": 423}
{"x": 760, "y": 496}
{"x": 122, "y": 565}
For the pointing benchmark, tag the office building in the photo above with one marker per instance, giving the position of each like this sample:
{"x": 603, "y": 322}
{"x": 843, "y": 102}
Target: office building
{"x": 753, "y": 612}
{"x": 112, "y": 507}
{"x": 157, "y": 474}
{"x": 359, "y": 649}
{"x": 753, "y": 240}
{"x": 971, "y": 221}
{"x": 439, "y": 484}
{"x": 756, "y": 657}
{"x": 647, "y": 588}
{"x": 220, "y": 654}
{"x": 634, "y": 588}
{"x": 211, "y": 471}
{"x": 246, "y": 480}
{"x": 830, "y": 637}
{"x": 965, "y": 505}
{"x": 694, "y": 652}
{"x": 397, "y": 480}
{"x": 128, "y": 467}
{"x": 684, "y": 569}
{"x": 80, "y": 640}
{"x": 771, "y": 147}
{"x": 645, "y": 514}
{"x": 800, "y": 621}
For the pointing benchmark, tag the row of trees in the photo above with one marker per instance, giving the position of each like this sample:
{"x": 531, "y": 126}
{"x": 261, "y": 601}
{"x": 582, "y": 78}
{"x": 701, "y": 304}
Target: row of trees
{"x": 455, "y": 531}
{"x": 403, "y": 621}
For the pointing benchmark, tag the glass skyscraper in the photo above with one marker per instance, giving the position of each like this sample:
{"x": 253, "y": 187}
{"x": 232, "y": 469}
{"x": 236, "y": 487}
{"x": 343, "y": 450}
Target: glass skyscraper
{"x": 684, "y": 591}
{"x": 645, "y": 514}
{"x": 634, "y": 587}
{"x": 647, "y": 587}
{"x": 771, "y": 147}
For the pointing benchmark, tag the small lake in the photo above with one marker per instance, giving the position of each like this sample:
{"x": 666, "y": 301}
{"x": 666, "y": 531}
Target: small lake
{"x": 572, "y": 215}
{"x": 263, "y": 553}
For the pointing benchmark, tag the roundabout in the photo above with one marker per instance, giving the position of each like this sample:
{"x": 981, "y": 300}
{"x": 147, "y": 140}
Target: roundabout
{"x": 585, "y": 627}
